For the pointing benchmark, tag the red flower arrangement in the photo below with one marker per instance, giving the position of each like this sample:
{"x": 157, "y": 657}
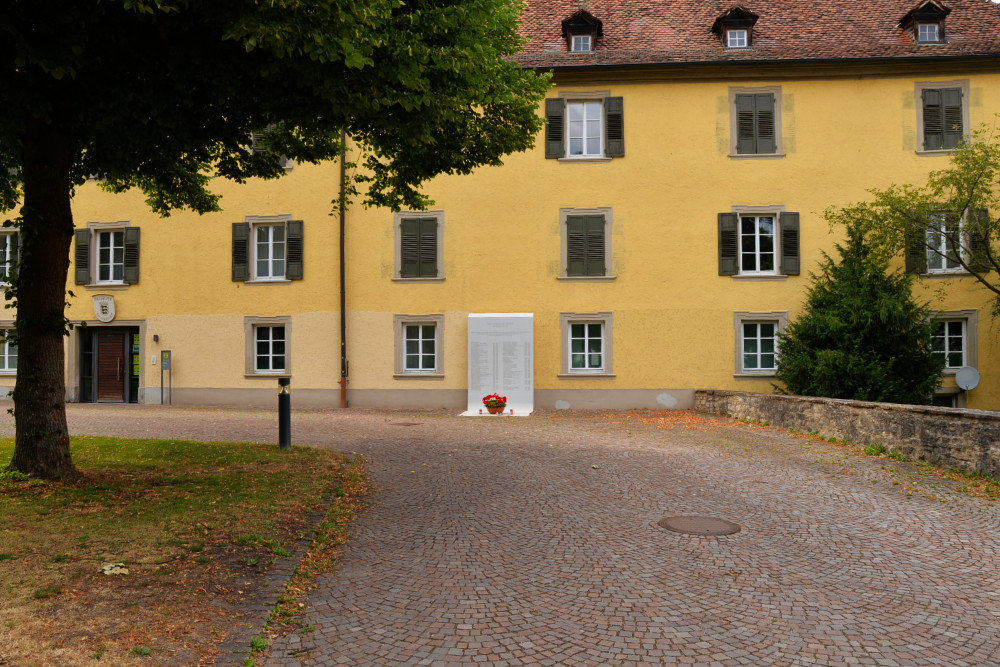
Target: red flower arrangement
{"x": 494, "y": 401}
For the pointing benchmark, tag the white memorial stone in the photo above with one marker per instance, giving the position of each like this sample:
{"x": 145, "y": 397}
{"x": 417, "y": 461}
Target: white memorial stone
{"x": 501, "y": 361}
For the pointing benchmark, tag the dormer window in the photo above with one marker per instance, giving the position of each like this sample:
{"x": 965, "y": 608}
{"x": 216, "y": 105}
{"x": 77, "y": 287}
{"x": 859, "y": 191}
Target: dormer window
{"x": 582, "y": 43}
{"x": 737, "y": 39}
{"x": 926, "y": 23}
{"x": 581, "y": 31}
{"x": 735, "y": 28}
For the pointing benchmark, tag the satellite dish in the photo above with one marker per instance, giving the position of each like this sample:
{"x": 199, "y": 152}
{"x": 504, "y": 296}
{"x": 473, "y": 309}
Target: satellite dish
{"x": 967, "y": 378}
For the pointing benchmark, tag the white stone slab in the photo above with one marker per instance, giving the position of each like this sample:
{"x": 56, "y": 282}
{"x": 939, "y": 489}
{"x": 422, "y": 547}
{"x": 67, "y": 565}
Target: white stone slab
{"x": 501, "y": 361}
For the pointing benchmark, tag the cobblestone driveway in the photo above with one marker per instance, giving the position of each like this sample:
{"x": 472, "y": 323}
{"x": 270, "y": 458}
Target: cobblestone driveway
{"x": 534, "y": 541}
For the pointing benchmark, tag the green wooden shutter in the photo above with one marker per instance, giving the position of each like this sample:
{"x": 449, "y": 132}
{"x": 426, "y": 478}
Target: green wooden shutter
{"x": 916, "y": 251}
{"x": 555, "y": 128}
{"x": 596, "y": 264}
{"x": 131, "y": 273}
{"x": 293, "y": 250}
{"x": 933, "y": 120}
{"x": 766, "y": 141}
{"x": 428, "y": 248}
{"x": 790, "y": 244}
{"x": 409, "y": 251}
{"x": 729, "y": 264}
{"x": 979, "y": 240}
{"x": 951, "y": 112}
{"x": 746, "y": 125}
{"x": 241, "y": 251}
{"x": 576, "y": 246}
{"x": 82, "y": 256}
{"x": 614, "y": 127}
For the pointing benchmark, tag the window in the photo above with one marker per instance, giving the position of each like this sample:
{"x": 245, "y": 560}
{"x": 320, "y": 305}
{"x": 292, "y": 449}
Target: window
{"x": 9, "y": 254}
{"x": 106, "y": 253}
{"x": 584, "y": 126}
{"x": 268, "y": 248}
{"x": 269, "y": 252}
{"x": 942, "y": 115}
{"x": 419, "y": 340}
{"x": 926, "y": 22}
{"x": 268, "y": 345}
{"x": 8, "y": 355}
{"x": 586, "y": 345}
{"x": 948, "y": 343}
{"x": 419, "y": 245}
{"x": 928, "y": 32}
{"x": 758, "y": 241}
{"x": 258, "y": 142}
{"x": 755, "y": 121}
{"x": 757, "y": 342}
{"x": 953, "y": 338}
{"x": 581, "y": 30}
{"x": 581, "y": 43}
{"x": 110, "y": 257}
{"x": 948, "y": 241}
{"x": 585, "y": 235}
{"x": 735, "y": 28}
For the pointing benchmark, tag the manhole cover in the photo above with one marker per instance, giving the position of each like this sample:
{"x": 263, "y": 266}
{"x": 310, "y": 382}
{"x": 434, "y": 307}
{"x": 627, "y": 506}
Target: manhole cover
{"x": 699, "y": 525}
{"x": 405, "y": 423}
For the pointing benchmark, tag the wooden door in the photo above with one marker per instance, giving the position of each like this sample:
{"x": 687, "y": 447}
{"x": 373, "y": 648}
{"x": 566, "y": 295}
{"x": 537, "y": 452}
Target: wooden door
{"x": 111, "y": 369}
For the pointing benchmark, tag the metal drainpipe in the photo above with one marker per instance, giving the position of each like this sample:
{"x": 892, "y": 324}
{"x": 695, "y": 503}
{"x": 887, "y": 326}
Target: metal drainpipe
{"x": 343, "y": 289}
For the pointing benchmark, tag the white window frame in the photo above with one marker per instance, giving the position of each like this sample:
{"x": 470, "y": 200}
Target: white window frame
{"x": 780, "y": 321}
{"x": 938, "y": 252}
{"x": 737, "y": 38}
{"x": 400, "y": 322}
{"x": 250, "y": 326}
{"x": 774, "y": 211}
{"x": 566, "y": 322}
{"x": 757, "y": 252}
{"x": 9, "y": 250}
{"x": 585, "y": 105}
{"x": 581, "y": 43}
{"x": 99, "y": 236}
{"x": 970, "y": 325}
{"x": 8, "y": 352}
{"x": 269, "y": 246}
{"x": 936, "y": 39}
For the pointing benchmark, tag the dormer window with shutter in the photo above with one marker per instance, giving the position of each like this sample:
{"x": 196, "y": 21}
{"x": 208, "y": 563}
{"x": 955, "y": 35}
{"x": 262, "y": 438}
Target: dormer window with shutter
{"x": 926, "y": 23}
{"x": 581, "y": 31}
{"x": 735, "y": 28}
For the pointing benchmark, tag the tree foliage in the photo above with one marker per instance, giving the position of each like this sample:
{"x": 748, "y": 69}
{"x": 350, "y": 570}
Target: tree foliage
{"x": 861, "y": 334}
{"x": 953, "y": 218}
{"x": 165, "y": 95}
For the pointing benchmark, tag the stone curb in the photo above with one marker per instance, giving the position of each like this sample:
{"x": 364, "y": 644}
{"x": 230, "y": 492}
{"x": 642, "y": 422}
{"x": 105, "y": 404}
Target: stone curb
{"x": 237, "y": 648}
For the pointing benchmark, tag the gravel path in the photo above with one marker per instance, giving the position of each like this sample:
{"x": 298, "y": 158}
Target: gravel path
{"x": 512, "y": 541}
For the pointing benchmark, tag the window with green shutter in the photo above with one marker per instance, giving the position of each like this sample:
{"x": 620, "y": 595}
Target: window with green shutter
{"x": 942, "y": 118}
{"x": 418, "y": 248}
{"x": 759, "y": 242}
{"x": 584, "y": 128}
{"x": 585, "y": 246}
{"x": 755, "y": 124}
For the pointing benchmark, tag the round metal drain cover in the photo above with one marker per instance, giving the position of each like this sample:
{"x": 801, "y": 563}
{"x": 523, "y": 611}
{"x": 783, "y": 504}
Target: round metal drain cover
{"x": 699, "y": 525}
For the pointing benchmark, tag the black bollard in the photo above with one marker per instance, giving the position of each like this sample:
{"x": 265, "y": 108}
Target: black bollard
{"x": 284, "y": 414}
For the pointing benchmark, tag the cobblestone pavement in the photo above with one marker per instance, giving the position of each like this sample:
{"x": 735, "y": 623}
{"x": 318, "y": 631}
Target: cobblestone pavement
{"x": 511, "y": 541}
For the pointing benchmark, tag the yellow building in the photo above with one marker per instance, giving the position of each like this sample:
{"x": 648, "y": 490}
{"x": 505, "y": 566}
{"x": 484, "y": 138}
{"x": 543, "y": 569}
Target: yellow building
{"x": 661, "y": 231}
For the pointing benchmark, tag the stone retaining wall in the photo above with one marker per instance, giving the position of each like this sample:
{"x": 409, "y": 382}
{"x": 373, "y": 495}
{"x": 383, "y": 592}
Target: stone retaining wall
{"x": 949, "y": 437}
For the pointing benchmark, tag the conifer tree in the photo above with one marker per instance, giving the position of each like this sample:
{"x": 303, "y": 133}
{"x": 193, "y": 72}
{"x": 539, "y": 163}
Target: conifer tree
{"x": 861, "y": 334}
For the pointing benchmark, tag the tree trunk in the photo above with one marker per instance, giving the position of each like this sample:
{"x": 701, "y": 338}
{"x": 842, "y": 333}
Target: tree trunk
{"x": 41, "y": 446}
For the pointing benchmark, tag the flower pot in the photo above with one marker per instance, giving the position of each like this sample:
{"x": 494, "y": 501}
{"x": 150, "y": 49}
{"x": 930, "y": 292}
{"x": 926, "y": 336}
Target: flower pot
{"x": 496, "y": 410}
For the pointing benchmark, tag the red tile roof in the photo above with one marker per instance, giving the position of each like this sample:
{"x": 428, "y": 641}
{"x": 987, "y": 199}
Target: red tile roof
{"x": 679, "y": 31}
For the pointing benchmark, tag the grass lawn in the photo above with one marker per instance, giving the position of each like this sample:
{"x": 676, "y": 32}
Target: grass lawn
{"x": 196, "y": 524}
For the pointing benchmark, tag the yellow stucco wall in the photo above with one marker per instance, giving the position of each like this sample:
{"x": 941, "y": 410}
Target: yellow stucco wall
{"x": 673, "y": 313}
